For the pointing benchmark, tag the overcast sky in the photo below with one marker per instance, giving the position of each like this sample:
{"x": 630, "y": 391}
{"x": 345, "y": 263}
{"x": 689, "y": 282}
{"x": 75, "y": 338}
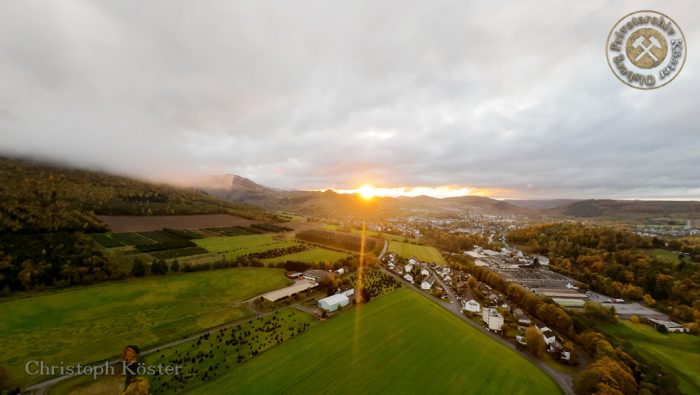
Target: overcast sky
{"x": 512, "y": 97}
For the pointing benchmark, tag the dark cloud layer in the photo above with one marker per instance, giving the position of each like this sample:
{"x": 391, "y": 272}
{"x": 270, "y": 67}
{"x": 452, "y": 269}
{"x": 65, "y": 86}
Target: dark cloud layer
{"x": 512, "y": 96}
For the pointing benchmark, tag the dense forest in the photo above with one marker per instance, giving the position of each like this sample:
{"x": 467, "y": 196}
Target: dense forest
{"x": 452, "y": 242}
{"x": 46, "y": 210}
{"x": 613, "y": 261}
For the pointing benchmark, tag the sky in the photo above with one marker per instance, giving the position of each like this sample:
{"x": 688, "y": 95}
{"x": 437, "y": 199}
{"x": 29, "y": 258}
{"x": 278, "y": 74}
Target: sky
{"x": 506, "y": 99}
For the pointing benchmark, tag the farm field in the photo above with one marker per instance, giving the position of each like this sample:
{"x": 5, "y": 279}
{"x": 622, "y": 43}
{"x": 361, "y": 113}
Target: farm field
{"x": 680, "y": 353}
{"x": 423, "y": 253}
{"x": 89, "y": 324}
{"x": 235, "y": 246}
{"x": 379, "y": 347}
{"x": 313, "y": 255}
{"x": 214, "y": 355}
{"x": 140, "y": 223}
{"x": 387, "y": 236}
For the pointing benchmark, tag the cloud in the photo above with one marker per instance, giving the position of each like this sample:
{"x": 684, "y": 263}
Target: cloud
{"x": 517, "y": 97}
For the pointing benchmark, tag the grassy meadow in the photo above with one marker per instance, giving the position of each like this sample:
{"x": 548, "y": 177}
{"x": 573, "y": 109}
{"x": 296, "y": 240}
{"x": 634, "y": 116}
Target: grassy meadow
{"x": 313, "y": 255}
{"x": 680, "y": 353}
{"x": 423, "y": 253}
{"x": 661, "y": 253}
{"x": 399, "y": 343}
{"x": 92, "y": 323}
{"x": 234, "y": 246}
{"x": 223, "y": 351}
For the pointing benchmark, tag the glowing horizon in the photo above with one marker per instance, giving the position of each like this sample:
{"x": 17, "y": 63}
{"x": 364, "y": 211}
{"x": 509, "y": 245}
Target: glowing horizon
{"x": 368, "y": 191}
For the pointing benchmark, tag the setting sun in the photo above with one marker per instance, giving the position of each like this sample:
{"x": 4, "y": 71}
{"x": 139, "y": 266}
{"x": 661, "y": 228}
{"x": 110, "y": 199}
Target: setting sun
{"x": 367, "y": 192}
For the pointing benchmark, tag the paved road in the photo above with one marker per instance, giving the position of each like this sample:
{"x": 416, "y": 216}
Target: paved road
{"x": 386, "y": 247}
{"x": 562, "y": 379}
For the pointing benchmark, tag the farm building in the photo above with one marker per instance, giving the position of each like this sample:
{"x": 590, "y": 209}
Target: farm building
{"x": 424, "y": 272}
{"x": 332, "y": 303}
{"x": 408, "y": 268}
{"x": 299, "y": 286}
{"x": 669, "y": 325}
{"x": 492, "y": 318}
{"x": 472, "y": 306}
{"x": 412, "y": 260}
{"x": 408, "y": 278}
{"x": 427, "y": 282}
{"x": 315, "y": 275}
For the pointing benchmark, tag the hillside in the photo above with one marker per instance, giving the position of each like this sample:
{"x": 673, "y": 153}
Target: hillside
{"x": 40, "y": 197}
{"x": 630, "y": 209}
{"x": 540, "y": 204}
{"x": 47, "y": 211}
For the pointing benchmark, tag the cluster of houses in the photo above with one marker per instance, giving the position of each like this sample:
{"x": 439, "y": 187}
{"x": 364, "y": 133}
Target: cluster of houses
{"x": 415, "y": 269}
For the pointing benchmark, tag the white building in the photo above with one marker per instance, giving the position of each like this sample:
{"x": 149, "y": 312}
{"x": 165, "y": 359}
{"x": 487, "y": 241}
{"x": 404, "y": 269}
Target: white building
{"x": 424, "y": 272}
{"x": 412, "y": 261}
{"x": 332, "y": 303}
{"x": 471, "y": 306}
{"x": 427, "y": 283}
{"x": 492, "y": 318}
{"x": 408, "y": 268}
{"x": 669, "y": 325}
{"x": 547, "y": 335}
{"x": 408, "y": 278}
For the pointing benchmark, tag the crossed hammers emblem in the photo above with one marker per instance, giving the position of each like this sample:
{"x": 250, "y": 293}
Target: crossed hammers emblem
{"x": 646, "y": 49}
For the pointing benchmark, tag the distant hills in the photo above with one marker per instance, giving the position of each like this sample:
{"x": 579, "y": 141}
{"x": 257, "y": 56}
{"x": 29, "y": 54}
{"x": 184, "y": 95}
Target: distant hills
{"x": 540, "y": 204}
{"x": 238, "y": 189}
{"x": 329, "y": 203}
{"x": 50, "y": 197}
{"x": 629, "y": 209}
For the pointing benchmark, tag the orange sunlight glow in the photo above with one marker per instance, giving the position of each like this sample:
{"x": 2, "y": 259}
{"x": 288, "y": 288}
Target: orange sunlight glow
{"x": 368, "y": 191}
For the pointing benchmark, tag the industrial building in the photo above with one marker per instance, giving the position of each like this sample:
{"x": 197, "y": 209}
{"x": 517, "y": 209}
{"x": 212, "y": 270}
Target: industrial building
{"x": 332, "y": 303}
{"x": 299, "y": 286}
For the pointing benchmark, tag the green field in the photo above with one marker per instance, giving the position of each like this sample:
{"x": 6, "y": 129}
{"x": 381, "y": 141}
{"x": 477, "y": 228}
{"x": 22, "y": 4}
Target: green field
{"x": 400, "y": 343}
{"x": 386, "y": 236}
{"x": 313, "y": 255}
{"x": 253, "y": 337}
{"x": 662, "y": 254}
{"x": 423, "y": 253}
{"x": 679, "y": 353}
{"x": 93, "y": 323}
{"x": 235, "y": 246}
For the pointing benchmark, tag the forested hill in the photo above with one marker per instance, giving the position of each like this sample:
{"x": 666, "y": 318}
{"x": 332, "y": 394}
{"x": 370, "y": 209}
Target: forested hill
{"x": 43, "y": 198}
{"x": 46, "y": 211}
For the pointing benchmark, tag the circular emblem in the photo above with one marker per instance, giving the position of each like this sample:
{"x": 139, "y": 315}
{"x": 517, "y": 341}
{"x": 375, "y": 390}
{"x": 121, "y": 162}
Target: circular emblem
{"x": 646, "y": 49}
